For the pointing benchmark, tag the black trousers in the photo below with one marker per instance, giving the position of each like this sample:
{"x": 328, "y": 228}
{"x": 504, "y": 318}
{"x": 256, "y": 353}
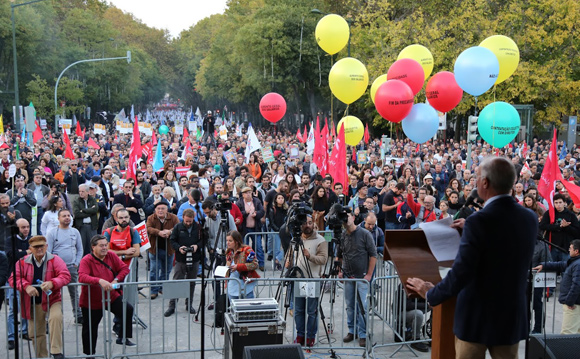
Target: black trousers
{"x": 92, "y": 319}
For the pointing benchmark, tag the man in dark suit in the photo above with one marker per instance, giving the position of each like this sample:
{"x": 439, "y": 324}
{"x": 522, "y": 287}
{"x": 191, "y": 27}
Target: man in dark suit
{"x": 490, "y": 270}
{"x": 131, "y": 202}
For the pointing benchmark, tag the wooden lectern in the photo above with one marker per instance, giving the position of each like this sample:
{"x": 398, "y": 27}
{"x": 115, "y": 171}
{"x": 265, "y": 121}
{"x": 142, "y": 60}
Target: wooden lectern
{"x": 409, "y": 251}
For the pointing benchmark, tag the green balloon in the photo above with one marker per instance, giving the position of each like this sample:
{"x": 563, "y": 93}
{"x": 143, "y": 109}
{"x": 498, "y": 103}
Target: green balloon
{"x": 163, "y": 129}
{"x": 499, "y": 123}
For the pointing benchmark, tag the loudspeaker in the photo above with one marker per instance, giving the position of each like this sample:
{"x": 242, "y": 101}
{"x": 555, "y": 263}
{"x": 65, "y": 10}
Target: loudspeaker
{"x": 288, "y": 351}
{"x": 556, "y": 346}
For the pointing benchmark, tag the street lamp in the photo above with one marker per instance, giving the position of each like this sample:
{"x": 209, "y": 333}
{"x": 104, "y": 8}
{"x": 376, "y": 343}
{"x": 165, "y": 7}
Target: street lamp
{"x": 56, "y": 117}
{"x": 16, "y": 95}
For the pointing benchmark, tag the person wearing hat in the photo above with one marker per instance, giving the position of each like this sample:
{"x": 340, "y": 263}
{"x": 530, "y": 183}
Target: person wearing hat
{"x": 252, "y": 211}
{"x": 39, "y": 275}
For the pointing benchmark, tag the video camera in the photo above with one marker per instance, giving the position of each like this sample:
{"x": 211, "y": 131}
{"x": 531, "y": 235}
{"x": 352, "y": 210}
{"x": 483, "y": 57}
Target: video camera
{"x": 338, "y": 215}
{"x": 297, "y": 216}
{"x": 223, "y": 204}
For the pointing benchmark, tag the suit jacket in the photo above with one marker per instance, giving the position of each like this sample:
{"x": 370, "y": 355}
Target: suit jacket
{"x": 127, "y": 202}
{"x": 489, "y": 275}
{"x": 105, "y": 194}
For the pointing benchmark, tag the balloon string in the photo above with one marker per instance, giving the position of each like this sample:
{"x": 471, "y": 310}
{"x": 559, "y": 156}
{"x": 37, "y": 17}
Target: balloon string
{"x": 345, "y": 111}
{"x": 493, "y": 123}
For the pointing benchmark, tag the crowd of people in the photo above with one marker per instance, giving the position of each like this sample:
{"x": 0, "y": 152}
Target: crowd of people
{"x": 79, "y": 214}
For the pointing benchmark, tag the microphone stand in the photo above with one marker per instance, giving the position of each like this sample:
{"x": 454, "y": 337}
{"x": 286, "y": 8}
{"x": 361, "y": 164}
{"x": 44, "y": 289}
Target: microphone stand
{"x": 202, "y": 299}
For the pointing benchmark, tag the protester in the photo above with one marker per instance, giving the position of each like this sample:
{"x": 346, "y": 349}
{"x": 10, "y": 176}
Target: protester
{"x": 37, "y": 276}
{"x": 101, "y": 270}
{"x": 242, "y": 262}
{"x": 85, "y": 210}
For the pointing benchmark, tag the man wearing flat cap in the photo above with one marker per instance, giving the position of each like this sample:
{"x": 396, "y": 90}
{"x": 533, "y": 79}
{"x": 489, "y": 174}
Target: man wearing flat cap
{"x": 38, "y": 276}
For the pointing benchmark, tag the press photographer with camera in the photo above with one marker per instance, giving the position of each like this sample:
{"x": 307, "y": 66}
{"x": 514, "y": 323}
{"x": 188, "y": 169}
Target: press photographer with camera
{"x": 216, "y": 213}
{"x": 186, "y": 243}
{"x": 311, "y": 262}
{"x": 358, "y": 255}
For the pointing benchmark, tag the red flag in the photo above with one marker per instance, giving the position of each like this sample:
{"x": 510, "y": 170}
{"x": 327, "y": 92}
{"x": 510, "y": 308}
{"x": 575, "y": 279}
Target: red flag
{"x": 93, "y": 144}
{"x": 68, "y": 153}
{"x": 324, "y": 150}
{"x": 299, "y": 136}
{"x": 367, "y": 136}
{"x": 37, "y": 134}
{"x": 305, "y": 135}
{"x": 154, "y": 139}
{"x": 78, "y": 130}
{"x": 418, "y": 148}
{"x": 550, "y": 174}
{"x": 317, "y": 130}
{"x": 134, "y": 153}
{"x": 354, "y": 159}
{"x": 147, "y": 149}
{"x": 185, "y": 133}
{"x": 337, "y": 162}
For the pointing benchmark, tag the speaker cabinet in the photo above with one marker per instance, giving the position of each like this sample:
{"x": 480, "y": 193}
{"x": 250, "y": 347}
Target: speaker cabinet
{"x": 288, "y": 351}
{"x": 555, "y": 346}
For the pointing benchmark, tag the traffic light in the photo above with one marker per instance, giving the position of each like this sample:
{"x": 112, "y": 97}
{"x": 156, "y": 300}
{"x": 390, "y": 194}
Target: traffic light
{"x": 472, "y": 128}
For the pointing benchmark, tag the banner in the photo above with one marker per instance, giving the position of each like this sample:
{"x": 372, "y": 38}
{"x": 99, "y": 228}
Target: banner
{"x": 141, "y": 228}
{"x": 99, "y": 129}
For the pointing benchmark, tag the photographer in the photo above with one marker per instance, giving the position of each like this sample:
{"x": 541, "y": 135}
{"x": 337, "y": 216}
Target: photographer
{"x": 311, "y": 262}
{"x": 364, "y": 209}
{"x": 73, "y": 178}
{"x": 358, "y": 255}
{"x": 185, "y": 241}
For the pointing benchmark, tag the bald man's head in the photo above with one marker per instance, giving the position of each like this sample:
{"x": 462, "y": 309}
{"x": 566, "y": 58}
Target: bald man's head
{"x": 23, "y": 227}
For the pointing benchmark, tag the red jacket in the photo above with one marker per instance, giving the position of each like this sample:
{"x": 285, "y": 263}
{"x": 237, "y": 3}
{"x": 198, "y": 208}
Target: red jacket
{"x": 238, "y": 217}
{"x": 91, "y": 271}
{"x": 54, "y": 270}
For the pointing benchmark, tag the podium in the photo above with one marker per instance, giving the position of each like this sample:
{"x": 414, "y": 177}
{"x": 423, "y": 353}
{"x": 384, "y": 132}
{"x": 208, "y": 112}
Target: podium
{"x": 410, "y": 253}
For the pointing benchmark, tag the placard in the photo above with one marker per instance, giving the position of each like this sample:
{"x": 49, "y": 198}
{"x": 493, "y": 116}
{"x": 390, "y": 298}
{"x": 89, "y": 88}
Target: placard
{"x": 294, "y": 152}
{"x": 267, "y": 154}
{"x": 229, "y": 155}
{"x": 141, "y": 228}
{"x": 178, "y": 129}
{"x": 361, "y": 158}
{"x": 99, "y": 129}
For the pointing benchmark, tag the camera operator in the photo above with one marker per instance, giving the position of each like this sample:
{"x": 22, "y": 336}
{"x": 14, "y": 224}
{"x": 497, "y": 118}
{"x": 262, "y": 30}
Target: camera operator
{"x": 185, "y": 241}
{"x": 311, "y": 261}
{"x": 358, "y": 254}
{"x": 212, "y": 223}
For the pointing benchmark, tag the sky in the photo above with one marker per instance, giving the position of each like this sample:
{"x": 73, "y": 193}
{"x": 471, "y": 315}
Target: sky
{"x": 173, "y": 15}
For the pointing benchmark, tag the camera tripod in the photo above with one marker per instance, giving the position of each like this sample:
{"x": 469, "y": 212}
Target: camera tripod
{"x": 296, "y": 272}
{"x": 216, "y": 259}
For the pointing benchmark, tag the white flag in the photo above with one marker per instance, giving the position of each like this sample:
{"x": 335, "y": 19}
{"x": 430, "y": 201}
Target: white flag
{"x": 253, "y": 143}
{"x": 310, "y": 141}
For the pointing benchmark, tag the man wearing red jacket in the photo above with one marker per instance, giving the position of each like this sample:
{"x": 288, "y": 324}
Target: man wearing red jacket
{"x": 49, "y": 273}
{"x": 102, "y": 270}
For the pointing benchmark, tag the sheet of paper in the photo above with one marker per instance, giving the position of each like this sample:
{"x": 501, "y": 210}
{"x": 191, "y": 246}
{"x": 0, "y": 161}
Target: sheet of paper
{"x": 221, "y": 271}
{"x": 442, "y": 239}
{"x": 443, "y": 271}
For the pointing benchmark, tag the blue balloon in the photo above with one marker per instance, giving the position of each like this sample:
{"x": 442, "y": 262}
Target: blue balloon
{"x": 498, "y": 123}
{"x": 421, "y": 123}
{"x": 476, "y": 70}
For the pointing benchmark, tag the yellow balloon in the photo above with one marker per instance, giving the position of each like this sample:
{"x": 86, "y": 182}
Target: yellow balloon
{"x": 353, "y": 130}
{"x": 348, "y": 79}
{"x": 332, "y": 33}
{"x": 375, "y": 86}
{"x": 507, "y": 53}
{"x": 421, "y": 54}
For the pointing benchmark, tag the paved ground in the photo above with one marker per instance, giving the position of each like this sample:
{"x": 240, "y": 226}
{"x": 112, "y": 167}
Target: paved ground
{"x": 180, "y": 334}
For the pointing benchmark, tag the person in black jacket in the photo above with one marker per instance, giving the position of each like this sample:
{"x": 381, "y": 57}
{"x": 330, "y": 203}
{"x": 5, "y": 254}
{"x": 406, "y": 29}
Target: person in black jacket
{"x": 3, "y": 274}
{"x": 562, "y": 230}
{"x": 277, "y": 217}
{"x": 187, "y": 245}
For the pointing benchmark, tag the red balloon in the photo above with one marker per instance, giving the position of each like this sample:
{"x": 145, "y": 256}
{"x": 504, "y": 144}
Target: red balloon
{"x": 409, "y": 71}
{"x": 273, "y": 107}
{"x": 394, "y": 100}
{"x": 443, "y": 92}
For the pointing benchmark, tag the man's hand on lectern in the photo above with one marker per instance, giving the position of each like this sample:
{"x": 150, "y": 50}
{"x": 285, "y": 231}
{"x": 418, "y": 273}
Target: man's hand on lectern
{"x": 419, "y": 286}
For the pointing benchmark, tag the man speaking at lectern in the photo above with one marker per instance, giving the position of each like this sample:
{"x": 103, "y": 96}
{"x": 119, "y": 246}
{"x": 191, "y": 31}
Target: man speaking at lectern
{"x": 490, "y": 270}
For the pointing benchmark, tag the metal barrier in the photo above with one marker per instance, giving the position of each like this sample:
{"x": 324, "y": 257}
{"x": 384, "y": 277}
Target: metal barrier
{"x": 390, "y": 327}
